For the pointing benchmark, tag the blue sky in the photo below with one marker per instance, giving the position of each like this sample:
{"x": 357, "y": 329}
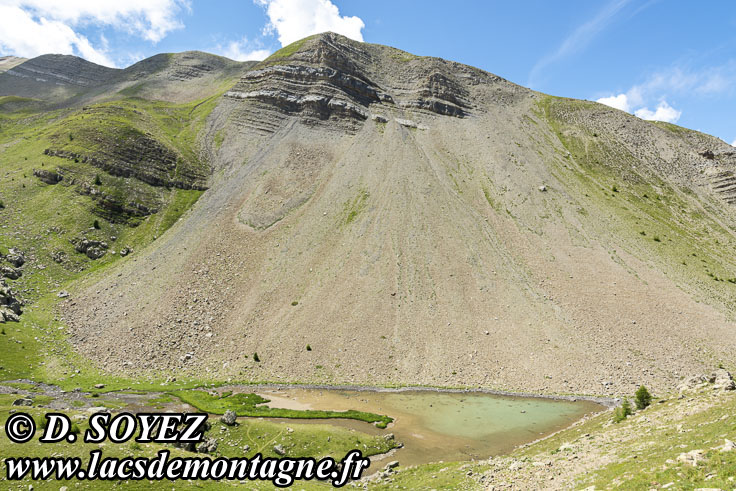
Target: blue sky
{"x": 670, "y": 60}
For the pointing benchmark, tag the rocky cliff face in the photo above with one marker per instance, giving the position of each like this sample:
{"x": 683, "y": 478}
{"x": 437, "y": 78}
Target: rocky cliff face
{"x": 323, "y": 78}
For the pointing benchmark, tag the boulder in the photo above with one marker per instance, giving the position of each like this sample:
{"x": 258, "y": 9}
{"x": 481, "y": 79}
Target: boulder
{"x": 722, "y": 380}
{"x": 728, "y": 446}
{"x": 93, "y": 249}
{"x": 693, "y": 383}
{"x": 279, "y": 449}
{"x": 208, "y": 445}
{"x": 229, "y": 418}
{"x": 16, "y": 258}
{"x": 7, "y": 315}
{"x": 58, "y": 256}
{"x": 23, "y": 402}
{"x": 48, "y": 176}
{"x": 10, "y": 305}
{"x": 693, "y": 457}
{"x": 10, "y": 273}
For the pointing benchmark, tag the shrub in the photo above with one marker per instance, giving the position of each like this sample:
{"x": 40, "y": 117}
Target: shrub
{"x": 98, "y": 181}
{"x": 294, "y": 303}
{"x": 2, "y": 205}
{"x": 614, "y": 189}
{"x": 642, "y": 398}
{"x": 622, "y": 412}
{"x": 96, "y": 224}
{"x": 71, "y": 137}
{"x": 255, "y": 357}
{"x": 309, "y": 348}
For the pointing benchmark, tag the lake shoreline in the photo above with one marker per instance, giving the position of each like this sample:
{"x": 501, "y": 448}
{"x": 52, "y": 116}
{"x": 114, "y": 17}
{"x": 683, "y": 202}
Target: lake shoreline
{"x": 608, "y": 402}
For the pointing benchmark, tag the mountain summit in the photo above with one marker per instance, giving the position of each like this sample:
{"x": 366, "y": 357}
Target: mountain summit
{"x": 418, "y": 221}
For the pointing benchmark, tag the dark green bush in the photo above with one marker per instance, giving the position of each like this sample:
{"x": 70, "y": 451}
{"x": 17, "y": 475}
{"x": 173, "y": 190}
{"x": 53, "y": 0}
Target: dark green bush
{"x": 642, "y": 398}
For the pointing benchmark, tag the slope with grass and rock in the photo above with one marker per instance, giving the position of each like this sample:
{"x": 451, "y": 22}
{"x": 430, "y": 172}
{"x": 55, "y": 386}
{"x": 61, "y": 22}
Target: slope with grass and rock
{"x": 418, "y": 221}
{"x": 411, "y": 219}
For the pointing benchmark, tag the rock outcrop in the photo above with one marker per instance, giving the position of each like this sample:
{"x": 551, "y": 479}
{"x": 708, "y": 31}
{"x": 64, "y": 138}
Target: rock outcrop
{"x": 10, "y": 304}
{"x": 330, "y": 78}
{"x": 93, "y": 249}
{"x": 719, "y": 379}
{"x": 48, "y": 176}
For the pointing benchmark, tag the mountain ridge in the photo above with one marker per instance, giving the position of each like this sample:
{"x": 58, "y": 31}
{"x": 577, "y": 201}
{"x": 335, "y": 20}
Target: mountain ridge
{"x": 418, "y": 221}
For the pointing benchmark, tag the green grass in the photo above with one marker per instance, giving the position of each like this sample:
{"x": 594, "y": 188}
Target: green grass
{"x": 352, "y": 208}
{"x": 252, "y": 405}
{"x": 288, "y": 50}
{"x": 44, "y": 218}
{"x": 298, "y": 440}
{"x": 305, "y": 440}
{"x": 607, "y": 180}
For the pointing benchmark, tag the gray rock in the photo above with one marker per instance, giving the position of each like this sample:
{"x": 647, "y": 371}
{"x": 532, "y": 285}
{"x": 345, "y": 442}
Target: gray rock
{"x": 279, "y": 449}
{"x": 229, "y": 418}
{"x": 10, "y": 305}
{"x": 62, "y": 294}
{"x": 23, "y": 402}
{"x": 95, "y": 252}
{"x": 722, "y": 380}
{"x": 692, "y": 457}
{"x": 48, "y": 176}
{"x": 16, "y": 258}
{"x": 208, "y": 445}
{"x": 10, "y": 273}
{"x": 392, "y": 465}
{"x": 58, "y": 256}
{"x": 93, "y": 249}
{"x": 693, "y": 383}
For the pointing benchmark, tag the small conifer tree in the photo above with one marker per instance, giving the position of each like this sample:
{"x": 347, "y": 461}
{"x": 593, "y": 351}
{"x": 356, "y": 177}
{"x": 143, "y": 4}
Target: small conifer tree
{"x": 642, "y": 398}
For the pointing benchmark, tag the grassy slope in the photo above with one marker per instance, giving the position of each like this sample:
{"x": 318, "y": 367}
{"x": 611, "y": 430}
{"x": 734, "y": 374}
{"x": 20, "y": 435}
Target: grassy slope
{"x": 651, "y": 218}
{"x": 40, "y": 219}
{"x": 258, "y": 436}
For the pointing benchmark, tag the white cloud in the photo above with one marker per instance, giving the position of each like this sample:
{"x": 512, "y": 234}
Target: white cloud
{"x": 296, "y": 19}
{"x": 578, "y": 39}
{"x": 664, "y": 112}
{"x": 241, "y": 51}
{"x": 620, "y": 101}
{"x": 627, "y": 102}
{"x": 34, "y": 27}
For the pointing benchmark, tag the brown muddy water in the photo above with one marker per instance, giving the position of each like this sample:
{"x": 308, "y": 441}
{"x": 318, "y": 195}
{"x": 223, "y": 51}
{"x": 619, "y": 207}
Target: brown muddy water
{"x": 438, "y": 426}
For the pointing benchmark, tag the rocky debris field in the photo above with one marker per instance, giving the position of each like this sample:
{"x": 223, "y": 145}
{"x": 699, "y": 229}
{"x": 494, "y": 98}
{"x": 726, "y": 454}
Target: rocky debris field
{"x": 10, "y": 304}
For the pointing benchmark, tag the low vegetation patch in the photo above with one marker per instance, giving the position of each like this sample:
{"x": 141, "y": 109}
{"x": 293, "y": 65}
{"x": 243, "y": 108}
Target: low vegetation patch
{"x": 252, "y": 405}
